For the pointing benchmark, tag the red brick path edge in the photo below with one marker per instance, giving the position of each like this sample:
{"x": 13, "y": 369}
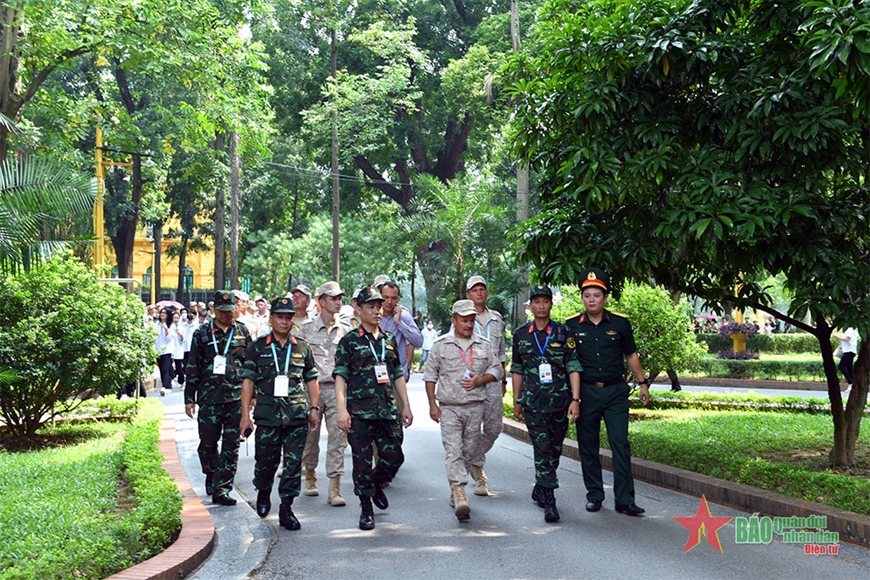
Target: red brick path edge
{"x": 852, "y": 527}
{"x": 197, "y": 537}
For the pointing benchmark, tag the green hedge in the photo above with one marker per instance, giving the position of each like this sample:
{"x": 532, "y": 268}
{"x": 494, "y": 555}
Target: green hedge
{"x": 762, "y": 369}
{"x": 767, "y": 343}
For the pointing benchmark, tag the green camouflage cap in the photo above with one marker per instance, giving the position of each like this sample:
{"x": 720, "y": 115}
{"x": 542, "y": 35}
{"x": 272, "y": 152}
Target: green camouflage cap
{"x": 224, "y": 300}
{"x": 368, "y": 294}
{"x": 540, "y": 290}
{"x": 283, "y": 304}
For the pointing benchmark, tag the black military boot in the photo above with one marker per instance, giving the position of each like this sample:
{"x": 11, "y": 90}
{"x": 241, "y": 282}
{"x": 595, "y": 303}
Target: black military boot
{"x": 551, "y": 514}
{"x": 264, "y": 502}
{"x": 367, "y": 514}
{"x": 538, "y": 495}
{"x": 285, "y": 515}
{"x": 209, "y": 483}
{"x": 380, "y": 498}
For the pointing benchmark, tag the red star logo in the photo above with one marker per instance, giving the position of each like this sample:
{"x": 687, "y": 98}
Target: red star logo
{"x": 702, "y": 524}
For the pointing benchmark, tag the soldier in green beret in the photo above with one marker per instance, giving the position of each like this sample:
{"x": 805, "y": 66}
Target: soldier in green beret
{"x": 214, "y": 382}
{"x": 605, "y": 342}
{"x": 545, "y": 377}
{"x": 368, "y": 378}
{"x": 280, "y": 373}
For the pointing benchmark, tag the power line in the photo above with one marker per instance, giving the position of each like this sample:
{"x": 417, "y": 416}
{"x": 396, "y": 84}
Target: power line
{"x": 328, "y": 175}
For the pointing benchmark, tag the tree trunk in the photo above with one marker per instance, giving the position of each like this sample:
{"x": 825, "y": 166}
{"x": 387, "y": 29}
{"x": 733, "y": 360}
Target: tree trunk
{"x": 839, "y": 454}
{"x": 182, "y": 262}
{"x": 124, "y": 238}
{"x": 11, "y": 16}
{"x": 336, "y": 200}
{"x": 234, "y": 209}
{"x": 220, "y": 255}
{"x": 857, "y": 401}
{"x": 158, "y": 257}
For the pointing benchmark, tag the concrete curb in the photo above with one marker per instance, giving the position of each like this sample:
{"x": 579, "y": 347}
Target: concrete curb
{"x": 852, "y": 527}
{"x": 197, "y": 538}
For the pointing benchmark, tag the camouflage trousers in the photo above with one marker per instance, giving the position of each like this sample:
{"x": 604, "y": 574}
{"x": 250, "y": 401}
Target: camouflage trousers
{"x": 336, "y": 439}
{"x": 364, "y": 433}
{"x": 493, "y": 413}
{"x": 460, "y": 435}
{"x": 271, "y": 441}
{"x": 220, "y": 423}
{"x": 547, "y": 432}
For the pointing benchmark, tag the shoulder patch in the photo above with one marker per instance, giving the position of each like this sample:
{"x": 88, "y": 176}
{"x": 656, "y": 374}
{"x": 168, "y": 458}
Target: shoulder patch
{"x": 570, "y": 342}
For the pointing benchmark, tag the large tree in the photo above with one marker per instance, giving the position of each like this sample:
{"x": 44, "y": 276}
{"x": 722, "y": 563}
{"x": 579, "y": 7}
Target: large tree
{"x": 705, "y": 144}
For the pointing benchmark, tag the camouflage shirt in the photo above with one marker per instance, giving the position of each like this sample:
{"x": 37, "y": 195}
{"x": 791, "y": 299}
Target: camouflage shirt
{"x": 203, "y": 387}
{"x": 260, "y": 367}
{"x": 559, "y": 353}
{"x": 323, "y": 341}
{"x": 448, "y": 362}
{"x": 355, "y": 359}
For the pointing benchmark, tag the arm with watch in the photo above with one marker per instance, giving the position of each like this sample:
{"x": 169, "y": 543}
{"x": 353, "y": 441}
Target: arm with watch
{"x": 634, "y": 365}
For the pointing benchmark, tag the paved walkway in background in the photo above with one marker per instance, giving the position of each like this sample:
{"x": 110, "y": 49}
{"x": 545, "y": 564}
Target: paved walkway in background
{"x": 419, "y": 537}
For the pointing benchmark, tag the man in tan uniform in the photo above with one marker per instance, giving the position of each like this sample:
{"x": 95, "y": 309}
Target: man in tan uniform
{"x": 323, "y": 332}
{"x": 461, "y": 365}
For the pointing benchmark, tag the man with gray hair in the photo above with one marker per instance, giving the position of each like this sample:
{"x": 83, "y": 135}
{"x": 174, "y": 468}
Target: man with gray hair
{"x": 461, "y": 365}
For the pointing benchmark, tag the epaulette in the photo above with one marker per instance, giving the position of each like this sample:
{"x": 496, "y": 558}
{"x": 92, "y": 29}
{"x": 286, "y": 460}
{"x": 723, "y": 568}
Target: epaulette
{"x": 620, "y": 314}
{"x": 442, "y": 337}
{"x": 573, "y": 316}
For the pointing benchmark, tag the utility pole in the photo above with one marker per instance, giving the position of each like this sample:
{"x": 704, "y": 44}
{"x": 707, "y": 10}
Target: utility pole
{"x": 522, "y": 181}
{"x": 220, "y": 252}
{"x": 234, "y": 209}
{"x": 336, "y": 201}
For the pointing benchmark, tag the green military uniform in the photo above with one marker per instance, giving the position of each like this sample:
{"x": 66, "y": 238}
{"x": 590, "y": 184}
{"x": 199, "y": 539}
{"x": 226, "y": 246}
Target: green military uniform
{"x": 218, "y": 396}
{"x": 601, "y": 350}
{"x": 372, "y": 406}
{"x": 282, "y": 422}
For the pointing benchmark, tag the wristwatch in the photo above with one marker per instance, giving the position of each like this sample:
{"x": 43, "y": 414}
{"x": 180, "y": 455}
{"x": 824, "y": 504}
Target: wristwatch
{"x": 575, "y": 400}
{"x": 644, "y": 382}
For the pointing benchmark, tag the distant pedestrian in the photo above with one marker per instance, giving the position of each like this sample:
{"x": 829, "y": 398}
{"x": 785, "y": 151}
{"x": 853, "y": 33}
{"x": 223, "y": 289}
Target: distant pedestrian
{"x": 429, "y": 336}
{"x": 163, "y": 344}
{"x": 848, "y": 350}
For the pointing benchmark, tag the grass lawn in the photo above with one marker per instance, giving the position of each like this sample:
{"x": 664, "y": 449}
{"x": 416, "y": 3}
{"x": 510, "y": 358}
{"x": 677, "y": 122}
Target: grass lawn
{"x": 87, "y": 502}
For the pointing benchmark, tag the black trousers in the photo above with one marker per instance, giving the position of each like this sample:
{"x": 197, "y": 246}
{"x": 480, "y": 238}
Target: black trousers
{"x": 847, "y": 365}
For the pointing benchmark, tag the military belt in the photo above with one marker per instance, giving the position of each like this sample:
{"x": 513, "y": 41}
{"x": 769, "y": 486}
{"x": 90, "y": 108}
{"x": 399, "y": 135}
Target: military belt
{"x": 602, "y": 384}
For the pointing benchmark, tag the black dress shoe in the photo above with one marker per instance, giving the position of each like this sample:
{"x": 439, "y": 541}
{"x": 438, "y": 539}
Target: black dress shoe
{"x": 287, "y": 518}
{"x": 380, "y": 498}
{"x": 264, "y": 502}
{"x": 222, "y": 499}
{"x": 630, "y": 509}
{"x": 209, "y": 484}
{"x": 593, "y": 505}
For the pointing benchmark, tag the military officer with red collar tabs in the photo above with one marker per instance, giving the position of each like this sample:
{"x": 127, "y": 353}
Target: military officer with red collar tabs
{"x": 604, "y": 344}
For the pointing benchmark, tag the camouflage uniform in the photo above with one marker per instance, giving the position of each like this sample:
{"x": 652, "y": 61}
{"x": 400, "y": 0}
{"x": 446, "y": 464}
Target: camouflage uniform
{"x": 461, "y": 410}
{"x": 323, "y": 341}
{"x": 219, "y": 398}
{"x": 282, "y": 422}
{"x": 372, "y": 406}
{"x": 545, "y": 405}
{"x": 490, "y": 325}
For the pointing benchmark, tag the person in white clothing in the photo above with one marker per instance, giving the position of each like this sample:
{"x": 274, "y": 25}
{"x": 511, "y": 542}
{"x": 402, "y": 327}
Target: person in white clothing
{"x": 429, "y": 336}
{"x": 848, "y": 349}
{"x": 176, "y": 332}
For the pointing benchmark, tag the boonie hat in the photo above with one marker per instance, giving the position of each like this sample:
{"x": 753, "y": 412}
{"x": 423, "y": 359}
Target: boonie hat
{"x": 283, "y": 304}
{"x": 474, "y": 281}
{"x": 594, "y": 277}
{"x": 224, "y": 300}
{"x": 367, "y": 294}
{"x": 329, "y": 289}
{"x": 380, "y": 281}
{"x": 540, "y": 290}
{"x": 464, "y": 308}
{"x": 302, "y": 288}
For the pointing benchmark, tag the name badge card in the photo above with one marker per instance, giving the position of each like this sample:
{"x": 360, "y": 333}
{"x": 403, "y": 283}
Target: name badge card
{"x": 219, "y": 367}
{"x": 546, "y": 373}
{"x": 467, "y": 374}
{"x": 381, "y": 373}
{"x": 282, "y": 386}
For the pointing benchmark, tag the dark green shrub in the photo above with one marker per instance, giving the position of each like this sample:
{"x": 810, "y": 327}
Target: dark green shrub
{"x": 767, "y": 343}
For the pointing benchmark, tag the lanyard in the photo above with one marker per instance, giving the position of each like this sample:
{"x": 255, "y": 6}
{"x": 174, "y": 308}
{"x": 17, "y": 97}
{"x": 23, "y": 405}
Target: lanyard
{"x": 546, "y": 342}
{"x": 470, "y": 355}
{"x": 477, "y": 325}
{"x": 229, "y": 340}
{"x": 383, "y": 349}
{"x": 286, "y": 359}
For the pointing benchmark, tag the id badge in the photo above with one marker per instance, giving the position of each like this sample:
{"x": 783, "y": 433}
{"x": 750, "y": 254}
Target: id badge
{"x": 219, "y": 367}
{"x": 282, "y": 386}
{"x": 468, "y": 374}
{"x": 546, "y": 373}
{"x": 381, "y": 374}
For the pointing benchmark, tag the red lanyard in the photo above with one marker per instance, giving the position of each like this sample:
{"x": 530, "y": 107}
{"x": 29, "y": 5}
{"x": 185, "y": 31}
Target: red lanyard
{"x": 470, "y": 355}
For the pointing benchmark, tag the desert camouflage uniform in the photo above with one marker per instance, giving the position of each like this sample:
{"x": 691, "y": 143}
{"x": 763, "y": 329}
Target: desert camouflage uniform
{"x": 282, "y": 422}
{"x": 372, "y": 406}
{"x": 545, "y": 405}
{"x": 219, "y": 398}
{"x": 490, "y": 325}
{"x": 323, "y": 341}
{"x": 461, "y": 410}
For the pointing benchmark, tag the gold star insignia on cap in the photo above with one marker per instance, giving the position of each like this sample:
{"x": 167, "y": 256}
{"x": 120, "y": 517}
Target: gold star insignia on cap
{"x": 591, "y": 276}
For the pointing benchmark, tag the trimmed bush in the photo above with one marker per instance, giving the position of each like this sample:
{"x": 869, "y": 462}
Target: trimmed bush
{"x": 762, "y": 369}
{"x": 767, "y": 343}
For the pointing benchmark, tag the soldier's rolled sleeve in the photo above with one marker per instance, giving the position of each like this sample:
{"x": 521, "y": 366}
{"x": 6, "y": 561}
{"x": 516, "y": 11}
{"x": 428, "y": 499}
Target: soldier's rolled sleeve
{"x": 341, "y": 368}
{"x": 310, "y": 368}
{"x": 516, "y": 359}
{"x": 192, "y": 371}
{"x": 398, "y": 370}
{"x": 249, "y": 369}
{"x": 572, "y": 363}
{"x": 495, "y": 369}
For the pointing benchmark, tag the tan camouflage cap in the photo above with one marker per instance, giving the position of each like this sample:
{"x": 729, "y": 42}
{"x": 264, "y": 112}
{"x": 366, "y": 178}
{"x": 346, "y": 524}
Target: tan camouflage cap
{"x": 329, "y": 289}
{"x": 474, "y": 281}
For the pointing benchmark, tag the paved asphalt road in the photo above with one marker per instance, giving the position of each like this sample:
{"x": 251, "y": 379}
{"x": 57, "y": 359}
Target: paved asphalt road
{"x": 418, "y": 536}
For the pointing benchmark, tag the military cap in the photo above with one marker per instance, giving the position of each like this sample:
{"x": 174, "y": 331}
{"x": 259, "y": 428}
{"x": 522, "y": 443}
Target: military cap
{"x": 380, "y": 281}
{"x": 224, "y": 300}
{"x": 283, "y": 304}
{"x": 540, "y": 290}
{"x": 368, "y": 294}
{"x": 302, "y": 288}
{"x": 329, "y": 289}
{"x": 241, "y": 295}
{"x": 595, "y": 277}
{"x": 474, "y": 281}
{"x": 464, "y": 308}
{"x": 259, "y": 298}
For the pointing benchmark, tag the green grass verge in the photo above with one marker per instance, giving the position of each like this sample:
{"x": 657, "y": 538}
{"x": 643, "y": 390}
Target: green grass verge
{"x": 782, "y": 450}
{"x": 89, "y": 508}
